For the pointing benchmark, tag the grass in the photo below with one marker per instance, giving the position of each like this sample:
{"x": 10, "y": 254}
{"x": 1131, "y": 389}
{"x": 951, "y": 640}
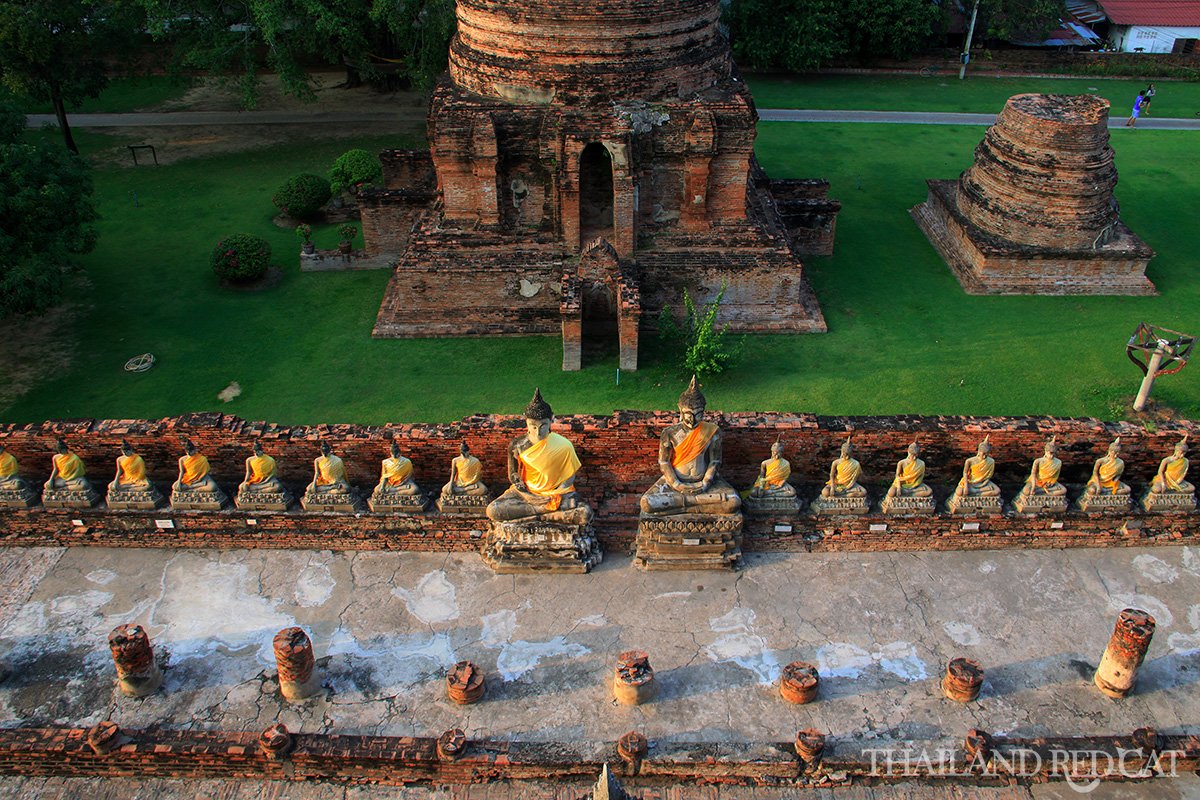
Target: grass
{"x": 121, "y": 95}
{"x": 944, "y": 92}
{"x": 903, "y": 337}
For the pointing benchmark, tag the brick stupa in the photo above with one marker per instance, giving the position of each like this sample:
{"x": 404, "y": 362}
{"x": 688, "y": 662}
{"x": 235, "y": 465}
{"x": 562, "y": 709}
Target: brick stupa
{"x": 589, "y": 162}
{"x": 1035, "y": 213}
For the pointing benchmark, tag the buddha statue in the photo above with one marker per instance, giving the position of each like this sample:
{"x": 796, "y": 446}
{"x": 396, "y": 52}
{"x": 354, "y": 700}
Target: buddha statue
{"x": 15, "y": 491}
{"x": 976, "y": 493}
{"x": 465, "y": 491}
{"x": 195, "y": 489}
{"x": 260, "y": 490}
{"x": 68, "y": 486}
{"x": 842, "y": 493}
{"x": 130, "y": 488}
{"x": 1169, "y": 490}
{"x": 396, "y": 490}
{"x": 1042, "y": 491}
{"x": 771, "y": 492}
{"x": 689, "y": 457}
{"x": 540, "y": 523}
{"x": 329, "y": 490}
{"x": 909, "y": 493}
{"x": 691, "y": 516}
{"x": 1104, "y": 491}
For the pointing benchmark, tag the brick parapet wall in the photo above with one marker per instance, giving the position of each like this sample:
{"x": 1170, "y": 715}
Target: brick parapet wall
{"x": 619, "y": 455}
{"x": 404, "y": 760}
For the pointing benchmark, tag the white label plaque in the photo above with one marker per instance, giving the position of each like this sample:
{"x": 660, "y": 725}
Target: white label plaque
{"x": 970, "y": 526}
{"x": 164, "y": 524}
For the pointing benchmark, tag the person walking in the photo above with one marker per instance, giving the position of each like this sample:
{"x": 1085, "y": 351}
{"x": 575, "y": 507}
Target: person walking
{"x": 1150, "y": 92}
{"x": 1137, "y": 109}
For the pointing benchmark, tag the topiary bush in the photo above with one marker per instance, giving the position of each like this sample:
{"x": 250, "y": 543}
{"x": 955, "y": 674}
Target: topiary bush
{"x": 241, "y": 258}
{"x": 353, "y": 170}
{"x": 303, "y": 196}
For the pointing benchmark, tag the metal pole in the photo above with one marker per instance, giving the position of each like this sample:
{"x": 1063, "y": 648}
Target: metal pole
{"x": 1148, "y": 382}
{"x": 966, "y": 54}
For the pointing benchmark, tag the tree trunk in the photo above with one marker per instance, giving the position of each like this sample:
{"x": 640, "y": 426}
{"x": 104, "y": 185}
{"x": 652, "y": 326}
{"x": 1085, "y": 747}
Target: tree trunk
{"x": 60, "y": 111}
{"x": 353, "y": 78}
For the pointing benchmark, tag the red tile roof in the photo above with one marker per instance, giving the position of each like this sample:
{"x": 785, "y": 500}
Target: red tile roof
{"x": 1178, "y": 13}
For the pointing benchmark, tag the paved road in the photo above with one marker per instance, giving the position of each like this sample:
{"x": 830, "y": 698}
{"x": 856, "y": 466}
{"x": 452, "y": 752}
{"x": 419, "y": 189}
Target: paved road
{"x": 175, "y": 118}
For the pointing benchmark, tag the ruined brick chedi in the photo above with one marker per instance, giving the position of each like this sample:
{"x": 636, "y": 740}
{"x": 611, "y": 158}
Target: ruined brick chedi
{"x": 1035, "y": 213}
{"x": 589, "y": 160}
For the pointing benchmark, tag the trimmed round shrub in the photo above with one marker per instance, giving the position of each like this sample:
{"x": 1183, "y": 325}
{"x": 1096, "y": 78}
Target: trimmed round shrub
{"x": 301, "y": 197}
{"x": 355, "y": 169}
{"x": 241, "y": 258}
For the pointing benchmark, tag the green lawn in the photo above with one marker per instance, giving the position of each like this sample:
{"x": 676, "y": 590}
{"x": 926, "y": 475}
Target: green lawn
{"x": 903, "y": 339}
{"x": 121, "y": 95}
{"x": 945, "y": 92}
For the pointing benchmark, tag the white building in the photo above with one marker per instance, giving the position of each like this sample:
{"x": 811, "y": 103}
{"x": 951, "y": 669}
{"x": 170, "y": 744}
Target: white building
{"x": 1153, "y": 26}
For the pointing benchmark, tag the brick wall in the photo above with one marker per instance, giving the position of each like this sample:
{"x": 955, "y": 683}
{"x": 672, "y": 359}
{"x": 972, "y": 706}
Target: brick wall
{"x": 619, "y": 455}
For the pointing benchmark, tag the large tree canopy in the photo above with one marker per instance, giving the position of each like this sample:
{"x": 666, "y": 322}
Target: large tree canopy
{"x": 55, "y": 49}
{"x": 45, "y": 217}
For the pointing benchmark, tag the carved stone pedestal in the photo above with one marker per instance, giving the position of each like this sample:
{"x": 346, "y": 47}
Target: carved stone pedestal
{"x": 772, "y": 506}
{"x": 1169, "y": 502}
{"x": 524, "y": 547}
{"x": 473, "y": 504}
{"x": 120, "y": 500}
{"x": 1040, "y": 503}
{"x": 839, "y": 506}
{"x": 343, "y": 502}
{"x": 397, "y": 503}
{"x": 69, "y": 498}
{"x": 18, "y": 498}
{"x": 198, "y": 501}
{"x": 908, "y": 506}
{"x": 975, "y": 505}
{"x": 1105, "y": 503}
{"x": 689, "y": 541}
{"x": 263, "y": 501}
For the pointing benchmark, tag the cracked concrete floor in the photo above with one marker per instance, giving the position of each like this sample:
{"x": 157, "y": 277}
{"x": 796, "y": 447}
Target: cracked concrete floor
{"x": 879, "y": 626}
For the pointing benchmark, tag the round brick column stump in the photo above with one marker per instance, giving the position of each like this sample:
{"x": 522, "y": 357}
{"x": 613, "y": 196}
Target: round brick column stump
{"x": 632, "y": 748}
{"x": 963, "y": 680}
{"x": 633, "y": 679}
{"x": 978, "y": 746}
{"x": 1126, "y": 649}
{"x": 137, "y": 673}
{"x": 104, "y": 737}
{"x": 276, "y": 741}
{"x": 298, "y": 678}
{"x": 451, "y": 744}
{"x": 1147, "y": 740}
{"x": 799, "y": 683}
{"x": 465, "y": 683}
{"x": 810, "y": 744}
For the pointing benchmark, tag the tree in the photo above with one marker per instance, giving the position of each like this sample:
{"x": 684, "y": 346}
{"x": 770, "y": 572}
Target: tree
{"x": 1020, "y": 19}
{"x": 45, "y": 217}
{"x": 888, "y": 28}
{"x": 704, "y": 348}
{"x": 55, "y": 49}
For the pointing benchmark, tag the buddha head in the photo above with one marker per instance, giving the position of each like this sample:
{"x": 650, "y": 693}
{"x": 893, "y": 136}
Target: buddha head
{"x": 258, "y": 448}
{"x": 189, "y": 447}
{"x": 1114, "y": 449}
{"x": 1051, "y": 447}
{"x": 394, "y": 449}
{"x": 914, "y": 449}
{"x": 325, "y": 449}
{"x": 777, "y": 449}
{"x": 691, "y": 405}
{"x": 126, "y": 448}
{"x": 538, "y": 416}
{"x": 846, "y": 448}
{"x": 984, "y": 449}
{"x": 464, "y": 450}
{"x": 1180, "y": 447}
{"x": 60, "y": 447}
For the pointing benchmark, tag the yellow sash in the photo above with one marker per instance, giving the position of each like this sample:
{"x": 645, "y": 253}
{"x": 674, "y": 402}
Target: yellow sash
{"x": 68, "y": 466}
{"x": 467, "y": 470}
{"x": 981, "y": 470}
{"x": 195, "y": 468}
{"x": 1047, "y": 473}
{"x": 778, "y": 471}
{"x": 1109, "y": 474}
{"x": 329, "y": 468}
{"x": 396, "y": 470}
{"x": 547, "y": 465}
{"x": 261, "y": 468}
{"x": 1174, "y": 474}
{"x": 912, "y": 475}
{"x": 133, "y": 469}
{"x": 694, "y": 444}
{"x": 8, "y": 465}
{"x": 847, "y": 471}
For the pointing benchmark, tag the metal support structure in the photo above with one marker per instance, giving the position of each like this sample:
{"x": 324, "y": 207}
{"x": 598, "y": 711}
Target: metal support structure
{"x": 966, "y": 53}
{"x": 1165, "y": 352}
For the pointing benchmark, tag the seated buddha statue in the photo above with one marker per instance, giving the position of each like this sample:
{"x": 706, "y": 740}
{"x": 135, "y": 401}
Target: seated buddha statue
{"x": 68, "y": 476}
{"x": 909, "y": 492}
{"x": 541, "y": 467}
{"x": 1042, "y": 490}
{"x": 396, "y": 488}
{"x": 1170, "y": 490}
{"x": 1107, "y": 472}
{"x": 771, "y": 492}
{"x": 130, "y": 488}
{"x": 842, "y": 493}
{"x": 260, "y": 490}
{"x": 15, "y": 491}
{"x": 975, "y": 491}
{"x": 689, "y": 458}
{"x": 195, "y": 489}
{"x": 465, "y": 487}
{"x": 329, "y": 474}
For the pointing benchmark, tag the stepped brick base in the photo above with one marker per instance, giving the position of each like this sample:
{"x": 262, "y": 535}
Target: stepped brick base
{"x": 1040, "y": 503}
{"x": 513, "y": 548}
{"x": 1169, "y": 502}
{"x": 689, "y": 541}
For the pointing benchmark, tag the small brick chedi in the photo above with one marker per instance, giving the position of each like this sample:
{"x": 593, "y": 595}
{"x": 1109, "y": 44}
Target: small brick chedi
{"x": 587, "y": 164}
{"x": 1035, "y": 213}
